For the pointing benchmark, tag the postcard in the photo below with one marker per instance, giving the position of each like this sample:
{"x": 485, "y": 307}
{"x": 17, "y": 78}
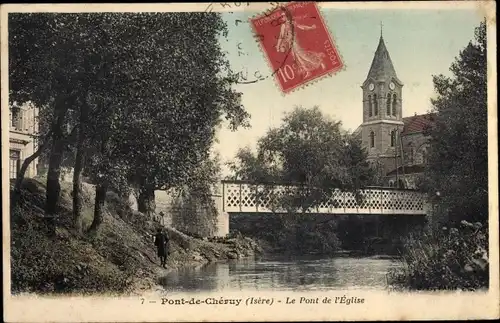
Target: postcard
{"x": 239, "y": 161}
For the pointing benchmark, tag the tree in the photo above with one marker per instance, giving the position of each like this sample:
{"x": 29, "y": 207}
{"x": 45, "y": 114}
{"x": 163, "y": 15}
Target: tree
{"x": 142, "y": 97}
{"x": 42, "y": 138}
{"x": 183, "y": 90}
{"x": 39, "y": 72}
{"x": 458, "y": 158}
{"x": 56, "y": 61}
{"x": 311, "y": 151}
{"x": 249, "y": 166}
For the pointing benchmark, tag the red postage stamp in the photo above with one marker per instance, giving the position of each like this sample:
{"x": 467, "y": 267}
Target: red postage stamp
{"x": 297, "y": 43}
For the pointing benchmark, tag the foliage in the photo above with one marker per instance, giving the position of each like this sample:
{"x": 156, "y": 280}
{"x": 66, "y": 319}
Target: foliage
{"x": 310, "y": 150}
{"x": 182, "y": 89}
{"x": 378, "y": 173}
{"x": 194, "y": 210}
{"x": 41, "y": 47}
{"x": 42, "y": 263}
{"x": 294, "y": 234}
{"x": 458, "y": 159}
{"x": 455, "y": 258}
{"x": 117, "y": 204}
{"x": 32, "y": 270}
{"x": 142, "y": 99}
{"x": 249, "y": 166}
{"x": 119, "y": 260}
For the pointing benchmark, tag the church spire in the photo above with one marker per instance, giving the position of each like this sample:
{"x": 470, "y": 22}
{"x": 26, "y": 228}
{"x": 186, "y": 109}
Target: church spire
{"x": 382, "y": 67}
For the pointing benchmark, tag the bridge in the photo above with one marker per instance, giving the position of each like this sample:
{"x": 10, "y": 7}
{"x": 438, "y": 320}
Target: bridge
{"x": 247, "y": 197}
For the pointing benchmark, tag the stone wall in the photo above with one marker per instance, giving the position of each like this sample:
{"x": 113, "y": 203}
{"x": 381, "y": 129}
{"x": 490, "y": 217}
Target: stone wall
{"x": 191, "y": 214}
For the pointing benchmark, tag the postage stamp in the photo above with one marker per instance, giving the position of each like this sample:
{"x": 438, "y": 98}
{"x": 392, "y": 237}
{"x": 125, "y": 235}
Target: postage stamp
{"x": 156, "y": 165}
{"x": 297, "y": 44}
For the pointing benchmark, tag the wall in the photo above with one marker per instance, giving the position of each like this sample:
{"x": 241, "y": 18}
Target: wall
{"x": 417, "y": 141}
{"x": 21, "y": 131}
{"x": 190, "y": 214}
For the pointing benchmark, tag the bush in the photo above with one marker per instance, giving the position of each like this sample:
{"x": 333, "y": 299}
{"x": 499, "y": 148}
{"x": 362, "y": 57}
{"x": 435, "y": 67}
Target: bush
{"x": 43, "y": 264}
{"x": 451, "y": 259}
{"x": 68, "y": 262}
{"x": 289, "y": 233}
{"x": 119, "y": 205}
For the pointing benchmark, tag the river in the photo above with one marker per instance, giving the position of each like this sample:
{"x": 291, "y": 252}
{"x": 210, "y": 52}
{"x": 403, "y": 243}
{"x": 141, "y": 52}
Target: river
{"x": 299, "y": 274}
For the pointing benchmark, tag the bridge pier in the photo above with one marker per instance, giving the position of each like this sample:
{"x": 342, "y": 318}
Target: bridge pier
{"x": 222, "y": 224}
{"x": 222, "y": 228}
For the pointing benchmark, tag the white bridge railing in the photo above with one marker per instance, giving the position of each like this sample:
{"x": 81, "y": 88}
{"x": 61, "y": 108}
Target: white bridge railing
{"x": 245, "y": 197}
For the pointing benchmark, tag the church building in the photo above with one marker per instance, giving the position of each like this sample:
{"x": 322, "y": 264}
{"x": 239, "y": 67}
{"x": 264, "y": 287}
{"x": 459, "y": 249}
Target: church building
{"x": 23, "y": 127}
{"x": 397, "y": 145}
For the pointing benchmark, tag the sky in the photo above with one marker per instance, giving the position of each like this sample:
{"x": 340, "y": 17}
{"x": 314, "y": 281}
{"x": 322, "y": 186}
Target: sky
{"x": 421, "y": 43}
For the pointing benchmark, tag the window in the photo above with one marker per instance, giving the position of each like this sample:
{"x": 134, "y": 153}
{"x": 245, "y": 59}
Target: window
{"x": 412, "y": 153}
{"x": 394, "y": 99}
{"x": 401, "y": 183}
{"x": 391, "y": 183}
{"x": 375, "y": 105}
{"x": 388, "y": 104}
{"x": 15, "y": 120}
{"x": 425, "y": 156}
{"x": 370, "y": 106}
{"x": 393, "y": 138}
{"x": 421, "y": 156}
{"x": 372, "y": 139}
{"x": 14, "y": 163}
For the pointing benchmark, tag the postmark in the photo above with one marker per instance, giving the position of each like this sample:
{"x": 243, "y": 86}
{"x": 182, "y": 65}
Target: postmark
{"x": 297, "y": 44}
{"x": 246, "y": 74}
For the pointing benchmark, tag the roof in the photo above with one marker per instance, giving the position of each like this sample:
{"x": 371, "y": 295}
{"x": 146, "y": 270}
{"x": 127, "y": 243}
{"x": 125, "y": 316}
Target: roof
{"x": 357, "y": 132}
{"x": 413, "y": 169}
{"x": 382, "y": 67}
{"x": 417, "y": 123}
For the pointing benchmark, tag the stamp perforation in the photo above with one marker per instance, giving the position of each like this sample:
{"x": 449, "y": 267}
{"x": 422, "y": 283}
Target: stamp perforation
{"x": 261, "y": 46}
{"x": 306, "y": 83}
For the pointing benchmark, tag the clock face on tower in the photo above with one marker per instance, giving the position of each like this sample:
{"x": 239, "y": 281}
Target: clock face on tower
{"x": 371, "y": 86}
{"x": 391, "y": 86}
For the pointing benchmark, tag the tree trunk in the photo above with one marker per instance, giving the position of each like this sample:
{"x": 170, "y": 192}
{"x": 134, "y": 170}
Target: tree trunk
{"x": 24, "y": 168}
{"x": 100, "y": 197}
{"x": 53, "y": 185}
{"x": 146, "y": 201}
{"x": 77, "y": 184}
{"x": 55, "y": 161}
{"x": 78, "y": 168}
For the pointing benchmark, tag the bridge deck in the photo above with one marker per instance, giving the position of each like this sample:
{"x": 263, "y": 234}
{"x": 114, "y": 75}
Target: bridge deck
{"x": 251, "y": 198}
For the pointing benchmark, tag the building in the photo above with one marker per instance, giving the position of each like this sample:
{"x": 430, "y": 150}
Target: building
{"x": 397, "y": 145}
{"x": 23, "y": 125}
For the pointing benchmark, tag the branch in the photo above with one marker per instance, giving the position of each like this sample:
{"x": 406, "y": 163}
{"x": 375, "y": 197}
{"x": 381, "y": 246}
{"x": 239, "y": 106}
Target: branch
{"x": 24, "y": 167}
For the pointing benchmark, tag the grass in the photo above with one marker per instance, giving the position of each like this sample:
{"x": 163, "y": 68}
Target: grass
{"x": 119, "y": 259}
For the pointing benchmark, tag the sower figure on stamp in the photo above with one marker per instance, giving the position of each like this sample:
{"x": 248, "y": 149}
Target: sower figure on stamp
{"x": 161, "y": 243}
{"x": 306, "y": 60}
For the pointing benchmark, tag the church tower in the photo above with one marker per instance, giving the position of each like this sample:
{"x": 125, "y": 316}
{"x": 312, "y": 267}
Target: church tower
{"x": 382, "y": 110}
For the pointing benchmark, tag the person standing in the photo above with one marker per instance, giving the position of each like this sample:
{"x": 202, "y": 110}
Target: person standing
{"x": 161, "y": 243}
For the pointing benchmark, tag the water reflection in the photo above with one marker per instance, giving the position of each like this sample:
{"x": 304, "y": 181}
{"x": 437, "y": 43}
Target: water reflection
{"x": 281, "y": 274}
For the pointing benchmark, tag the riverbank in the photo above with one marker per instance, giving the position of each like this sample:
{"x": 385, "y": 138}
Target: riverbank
{"x": 119, "y": 259}
{"x": 327, "y": 235}
{"x": 448, "y": 259}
